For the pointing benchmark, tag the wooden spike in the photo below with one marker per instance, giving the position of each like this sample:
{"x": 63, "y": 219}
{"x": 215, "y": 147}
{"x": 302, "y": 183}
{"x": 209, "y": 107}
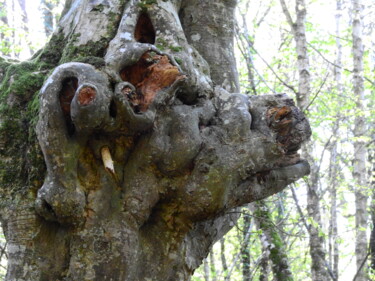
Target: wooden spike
{"x": 107, "y": 160}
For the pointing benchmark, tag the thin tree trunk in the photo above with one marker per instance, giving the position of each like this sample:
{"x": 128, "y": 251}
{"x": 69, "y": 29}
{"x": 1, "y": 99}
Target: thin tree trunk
{"x": 12, "y": 24}
{"x": 224, "y": 264}
{"x": 25, "y": 44}
{"x": 371, "y": 152}
{"x": 47, "y": 7}
{"x": 272, "y": 243}
{"x": 245, "y": 241}
{"x": 206, "y": 270}
{"x": 264, "y": 264}
{"x": 213, "y": 271}
{"x": 333, "y": 234}
{"x": 372, "y": 208}
{"x": 359, "y": 161}
{"x": 4, "y": 41}
{"x": 299, "y": 34}
{"x": 334, "y": 165}
{"x": 318, "y": 267}
{"x": 246, "y": 42}
{"x": 245, "y": 256}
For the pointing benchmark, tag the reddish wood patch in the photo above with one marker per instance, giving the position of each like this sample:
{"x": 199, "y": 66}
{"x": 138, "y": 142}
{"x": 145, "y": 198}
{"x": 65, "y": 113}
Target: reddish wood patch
{"x": 149, "y": 75}
{"x": 280, "y": 120}
{"x": 86, "y": 95}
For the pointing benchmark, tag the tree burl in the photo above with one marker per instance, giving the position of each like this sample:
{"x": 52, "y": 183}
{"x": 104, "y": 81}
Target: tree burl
{"x": 148, "y": 153}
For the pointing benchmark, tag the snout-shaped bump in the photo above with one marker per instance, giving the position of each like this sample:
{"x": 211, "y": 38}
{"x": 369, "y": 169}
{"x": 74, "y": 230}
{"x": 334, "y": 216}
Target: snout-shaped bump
{"x": 126, "y": 116}
{"x": 89, "y": 108}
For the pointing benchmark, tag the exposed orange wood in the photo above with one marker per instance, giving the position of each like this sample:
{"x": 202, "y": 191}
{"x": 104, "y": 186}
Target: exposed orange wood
{"x": 86, "y": 95}
{"x": 149, "y": 75}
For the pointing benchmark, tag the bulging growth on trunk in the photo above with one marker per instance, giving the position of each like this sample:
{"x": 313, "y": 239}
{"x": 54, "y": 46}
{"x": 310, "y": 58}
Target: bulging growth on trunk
{"x": 146, "y": 152}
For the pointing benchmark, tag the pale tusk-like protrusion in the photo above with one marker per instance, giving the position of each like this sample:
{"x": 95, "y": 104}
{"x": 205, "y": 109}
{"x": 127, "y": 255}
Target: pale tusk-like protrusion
{"x": 107, "y": 159}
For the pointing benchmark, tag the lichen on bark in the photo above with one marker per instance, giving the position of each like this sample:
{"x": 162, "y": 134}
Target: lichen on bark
{"x": 145, "y": 157}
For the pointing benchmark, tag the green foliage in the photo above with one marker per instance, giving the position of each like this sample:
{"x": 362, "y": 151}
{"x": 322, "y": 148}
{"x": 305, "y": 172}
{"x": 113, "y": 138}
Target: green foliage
{"x": 146, "y": 4}
{"x": 331, "y": 114}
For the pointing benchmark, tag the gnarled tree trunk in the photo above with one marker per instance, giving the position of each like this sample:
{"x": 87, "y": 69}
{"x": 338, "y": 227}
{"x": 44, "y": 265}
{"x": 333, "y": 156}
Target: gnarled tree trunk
{"x": 144, "y": 149}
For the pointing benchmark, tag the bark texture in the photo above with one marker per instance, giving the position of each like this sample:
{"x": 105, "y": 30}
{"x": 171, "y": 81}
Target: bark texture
{"x": 334, "y": 174}
{"x": 272, "y": 242}
{"x": 359, "y": 161}
{"x": 245, "y": 255}
{"x": 317, "y": 252}
{"x": 143, "y": 156}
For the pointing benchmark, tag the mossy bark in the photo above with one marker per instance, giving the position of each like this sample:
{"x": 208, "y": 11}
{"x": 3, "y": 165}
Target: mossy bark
{"x": 272, "y": 242}
{"x": 178, "y": 153}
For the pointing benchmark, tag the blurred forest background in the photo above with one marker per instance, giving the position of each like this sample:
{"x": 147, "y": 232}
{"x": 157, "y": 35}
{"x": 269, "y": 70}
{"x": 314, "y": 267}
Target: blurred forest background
{"x": 322, "y": 53}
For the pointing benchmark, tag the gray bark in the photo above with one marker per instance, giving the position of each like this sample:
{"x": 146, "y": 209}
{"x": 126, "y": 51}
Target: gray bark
{"x": 223, "y": 259}
{"x": 334, "y": 165}
{"x": 333, "y": 230}
{"x": 4, "y": 21}
{"x": 359, "y": 160}
{"x": 372, "y": 208}
{"x": 272, "y": 244}
{"x": 206, "y": 270}
{"x": 299, "y": 35}
{"x": 317, "y": 252}
{"x": 47, "y": 7}
{"x": 215, "y": 41}
{"x": 143, "y": 157}
{"x": 213, "y": 266}
{"x": 245, "y": 255}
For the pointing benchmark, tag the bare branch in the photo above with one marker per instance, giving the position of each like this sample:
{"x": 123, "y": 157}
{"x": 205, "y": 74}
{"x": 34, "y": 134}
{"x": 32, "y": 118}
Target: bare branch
{"x": 287, "y": 14}
{"x": 336, "y": 65}
{"x": 317, "y": 93}
{"x": 308, "y": 230}
{"x": 274, "y": 72}
{"x": 362, "y": 264}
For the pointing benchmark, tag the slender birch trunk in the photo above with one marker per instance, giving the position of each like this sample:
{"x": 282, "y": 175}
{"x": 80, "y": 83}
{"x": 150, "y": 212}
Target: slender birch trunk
{"x": 47, "y": 7}
{"x": 223, "y": 259}
{"x": 371, "y": 152}
{"x": 264, "y": 265}
{"x": 359, "y": 161}
{"x": 299, "y": 34}
{"x": 213, "y": 266}
{"x": 246, "y": 273}
{"x": 206, "y": 270}
{"x": 272, "y": 243}
{"x": 4, "y": 40}
{"x": 372, "y": 180}
{"x": 317, "y": 252}
{"x": 372, "y": 185}
{"x": 333, "y": 168}
{"x": 333, "y": 234}
{"x": 25, "y": 43}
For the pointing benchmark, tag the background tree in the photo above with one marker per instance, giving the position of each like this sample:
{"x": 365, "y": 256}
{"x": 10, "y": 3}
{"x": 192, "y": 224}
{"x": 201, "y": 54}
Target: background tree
{"x": 331, "y": 110}
{"x": 359, "y": 162}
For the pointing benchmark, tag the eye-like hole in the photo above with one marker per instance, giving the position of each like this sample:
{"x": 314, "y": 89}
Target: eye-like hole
{"x": 187, "y": 97}
{"x": 144, "y": 30}
{"x": 112, "y": 109}
{"x": 68, "y": 89}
